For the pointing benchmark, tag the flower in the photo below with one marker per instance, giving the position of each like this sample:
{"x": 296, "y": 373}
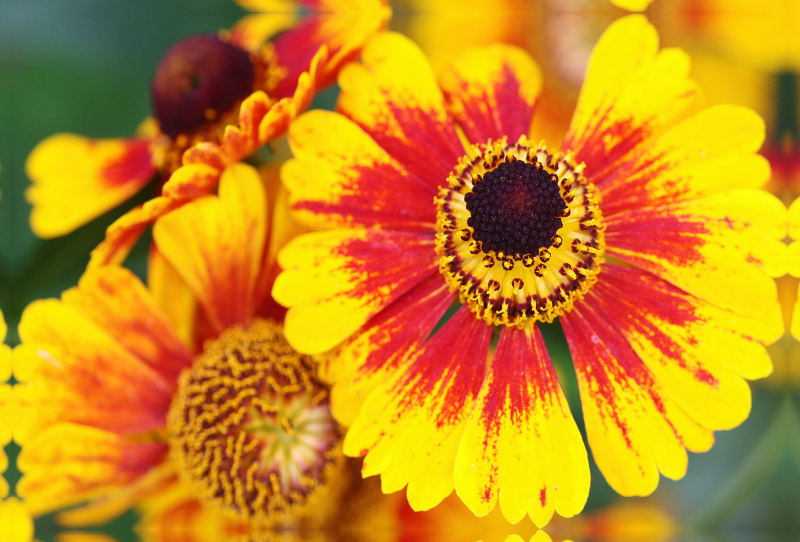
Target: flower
{"x": 645, "y": 236}
{"x": 228, "y": 94}
{"x": 121, "y": 401}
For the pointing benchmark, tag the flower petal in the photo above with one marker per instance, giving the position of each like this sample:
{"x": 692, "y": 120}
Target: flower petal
{"x": 634, "y": 430}
{"x": 68, "y": 463}
{"x": 116, "y": 300}
{"x": 334, "y": 281}
{"x": 491, "y": 92}
{"x": 76, "y": 371}
{"x": 521, "y": 441}
{"x": 632, "y": 93}
{"x": 172, "y": 296}
{"x": 216, "y": 243}
{"x": 719, "y": 248}
{"x": 16, "y": 521}
{"x": 76, "y": 179}
{"x": 252, "y": 31}
{"x": 343, "y": 32}
{"x": 384, "y": 344}
{"x": 341, "y": 177}
{"x": 123, "y": 233}
{"x": 687, "y": 345}
{"x": 410, "y": 426}
{"x": 703, "y": 155}
{"x": 394, "y": 97}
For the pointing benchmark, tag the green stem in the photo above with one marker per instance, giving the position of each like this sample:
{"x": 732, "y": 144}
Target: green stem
{"x": 753, "y": 472}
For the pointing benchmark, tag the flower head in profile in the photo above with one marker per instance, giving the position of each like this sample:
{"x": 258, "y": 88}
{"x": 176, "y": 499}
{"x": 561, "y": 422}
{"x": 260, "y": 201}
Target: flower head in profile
{"x": 129, "y": 388}
{"x": 645, "y": 236}
{"x": 226, "y": 94}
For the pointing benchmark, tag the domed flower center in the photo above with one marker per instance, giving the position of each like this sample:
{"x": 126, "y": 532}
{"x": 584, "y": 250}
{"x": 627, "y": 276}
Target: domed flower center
{"x": 250, "y": 427}
{"x": 515, "y": 209}
{"x": 198, "y": 80}
{"x": 519, "y": 232}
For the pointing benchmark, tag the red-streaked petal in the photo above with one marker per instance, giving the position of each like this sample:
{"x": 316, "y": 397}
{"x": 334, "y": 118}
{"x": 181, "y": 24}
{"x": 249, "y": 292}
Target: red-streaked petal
{"x": 76, "y": 179}
{"x": 410, "y": 426}
{"x": 216, "y": 243}
{"x": 634, "y": 430}
{"x": 122, "y": 235}
{"x": 68, "y": 463}
{"x": 76, "y": 371}
{"x": 251, "y": 32}
{"x": 172, "y": 296}
{"x": 521, "y": 441}
{"x": 393, "y": 95}
{"x": 344, "y": 33}
{"x": 341, "y": 177}
{"x": 708, "y": 153}
{"x": 720, "y": 248}
{"x": 688, "y": 346}
{"x": 632, "y": 94}
{"x": 491, "y": 92}
{"x": 384, "y": 344}
{"x": 114, "y": 298}
{"x": 334, "y": 281}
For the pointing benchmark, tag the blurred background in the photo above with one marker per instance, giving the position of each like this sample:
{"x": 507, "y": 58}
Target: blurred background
{"x": 84, "y": 66}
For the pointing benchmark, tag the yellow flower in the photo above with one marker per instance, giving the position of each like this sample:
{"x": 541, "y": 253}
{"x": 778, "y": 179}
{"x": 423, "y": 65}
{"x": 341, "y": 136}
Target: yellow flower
{"x": 645, "y": 235}
{"x": 130, "y": 388}
{"x": 242, "y": 94}
{"x": 15, "y": 521}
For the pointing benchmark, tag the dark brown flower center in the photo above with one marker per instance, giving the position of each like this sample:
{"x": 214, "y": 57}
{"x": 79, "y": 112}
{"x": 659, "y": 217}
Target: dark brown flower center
{"x": 198, "y": 80}
{"x": 516, "y": 208}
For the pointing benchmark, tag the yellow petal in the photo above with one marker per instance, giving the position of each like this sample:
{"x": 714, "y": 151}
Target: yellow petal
{"x": 395, "y": 98}
{"x": 632, "y": 94}
{"x": 216, "y": 243}
{"x": 334, "y": 281}
{"x": 410, "y": 426}
{"x": 76, "y": 179}
{"x": 67, "y": 464}
{"x": 16, "y": 521}
{"x": 722, "y": 248}
{"x": 521, "y": 445}
{"x": 705, "y": 154}
{"x": 491, "y": 92}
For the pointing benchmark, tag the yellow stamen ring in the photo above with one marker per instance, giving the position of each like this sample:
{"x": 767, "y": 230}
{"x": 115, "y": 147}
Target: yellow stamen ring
{"x": 513, "y": 288}
{"x": 250, "y": 428}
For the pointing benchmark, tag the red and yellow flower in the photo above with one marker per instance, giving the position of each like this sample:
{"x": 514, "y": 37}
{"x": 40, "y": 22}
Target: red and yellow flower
{"x": 645, "y": 235}
{"x": 127, "y": 388}
{"x": 225, "y": 95}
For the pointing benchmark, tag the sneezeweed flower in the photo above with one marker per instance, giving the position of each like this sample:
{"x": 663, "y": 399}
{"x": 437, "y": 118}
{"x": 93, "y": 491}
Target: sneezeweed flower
{"x": 229, "y": 92}
{"x": 118, "y": 406}
{"x": 645, "y": 236}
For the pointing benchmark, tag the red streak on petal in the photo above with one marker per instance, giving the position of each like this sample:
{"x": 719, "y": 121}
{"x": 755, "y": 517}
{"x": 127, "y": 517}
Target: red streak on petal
{"x": 134, "y": 165}
{"x": 656, "y": 233}
{"x": 511, "y": 117}
{"x": 429, "y": 149}
{"x": 543, "y": 496}
{"x": 388, "y": 264}
{"x": 379, "y": 195}
{"x": 606, "y": 146}
{"x": 637, "y": 302}
{"x": 406, "y": 323}
{"x": 451, "y": 365}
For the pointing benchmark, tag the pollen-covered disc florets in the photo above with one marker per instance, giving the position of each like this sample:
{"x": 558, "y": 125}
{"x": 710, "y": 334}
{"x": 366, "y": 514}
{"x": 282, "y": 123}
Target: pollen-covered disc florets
{"x": 519, "y": 232}
{"x": 250, "y": 428}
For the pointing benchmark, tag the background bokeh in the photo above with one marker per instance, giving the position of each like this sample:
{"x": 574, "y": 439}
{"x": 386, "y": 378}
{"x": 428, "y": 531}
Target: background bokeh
{"x": 84, "y": 66}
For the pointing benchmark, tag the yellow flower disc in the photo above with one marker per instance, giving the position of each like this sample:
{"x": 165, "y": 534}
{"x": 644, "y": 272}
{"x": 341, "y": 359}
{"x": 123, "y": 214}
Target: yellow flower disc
{"x": 519, "y": 232}
{"x": 250, "y": 428}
